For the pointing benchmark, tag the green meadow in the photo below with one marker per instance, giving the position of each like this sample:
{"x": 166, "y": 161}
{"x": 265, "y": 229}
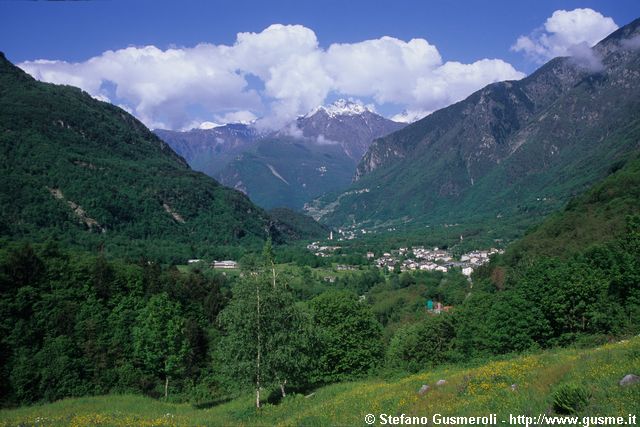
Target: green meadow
{"x": 524, "y": 385}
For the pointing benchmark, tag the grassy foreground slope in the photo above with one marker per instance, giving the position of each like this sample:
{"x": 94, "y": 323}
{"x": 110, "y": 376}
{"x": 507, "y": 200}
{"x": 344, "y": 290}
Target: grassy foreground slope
{"x": 472, "y": 391}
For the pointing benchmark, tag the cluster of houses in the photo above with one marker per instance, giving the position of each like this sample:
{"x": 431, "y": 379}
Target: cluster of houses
{"x": 406, "y": 259}
{"x": 416, "y": 258}
{"x": 421, "y": 258}
{"x": 344, "y": 234}
{"x": 351, "y": 233}
{"x": 321, "y": 251}
{"x": 344, "y": 267}
{"x": 472, "y": 260}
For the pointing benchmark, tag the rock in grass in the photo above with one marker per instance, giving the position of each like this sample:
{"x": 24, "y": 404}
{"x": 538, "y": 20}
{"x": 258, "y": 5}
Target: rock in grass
{"x": 514, "y": 387}
{"x": 424, "y": 389}
{"x": 629, "y": 379}
{"x": 441, "y": 382}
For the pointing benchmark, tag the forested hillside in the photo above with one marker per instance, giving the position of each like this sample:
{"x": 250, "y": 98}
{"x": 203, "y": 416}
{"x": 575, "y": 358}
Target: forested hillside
{"x": 89, "y": 174}
{"x": 595, "y": 217}
{"x": 581, "y": 267}
{"x": 75, "y": 325}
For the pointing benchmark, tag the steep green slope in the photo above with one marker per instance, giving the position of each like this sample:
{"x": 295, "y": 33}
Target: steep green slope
{"x": 303, "y": 224}
{"x": 581, "y": 265}
{"x": 596, "y": 217}
{"x": 87, "y": 173}
{"x": 510, "y": 153}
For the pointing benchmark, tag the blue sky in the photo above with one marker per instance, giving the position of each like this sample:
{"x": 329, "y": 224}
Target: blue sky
{"x": 456, "y": 36}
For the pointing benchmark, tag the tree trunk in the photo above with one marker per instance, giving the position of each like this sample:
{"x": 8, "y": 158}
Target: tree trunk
{"x": 166, "y": 387}
{"x": 259, "y": 347}
{"x": 273, "y": 271}
{"x": 282, "y": 389}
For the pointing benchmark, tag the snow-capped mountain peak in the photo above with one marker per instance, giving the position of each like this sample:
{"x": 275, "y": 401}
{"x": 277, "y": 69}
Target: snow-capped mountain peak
{"x": 342, "y": 107}
{"x": 209, "y": 125}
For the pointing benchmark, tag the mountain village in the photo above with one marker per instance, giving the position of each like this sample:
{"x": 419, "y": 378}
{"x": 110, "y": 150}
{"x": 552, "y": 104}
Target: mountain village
{"x": 418, "y": 258}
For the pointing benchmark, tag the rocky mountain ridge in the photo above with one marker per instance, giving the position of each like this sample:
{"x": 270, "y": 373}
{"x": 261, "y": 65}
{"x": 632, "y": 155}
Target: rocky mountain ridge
{"x": 351, "y": 125}
{"x": 517, "y": 148}
{"x": 209, "y": 150}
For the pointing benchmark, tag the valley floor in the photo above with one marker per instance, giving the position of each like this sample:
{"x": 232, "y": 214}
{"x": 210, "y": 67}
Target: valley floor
{"x": 518, "y": 386}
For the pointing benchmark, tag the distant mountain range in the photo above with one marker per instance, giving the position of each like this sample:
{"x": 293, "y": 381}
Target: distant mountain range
{"x": 316, "y": 154}
{"x": 86, "y": 173}
{"x": 351, "y": 125}
{"x": 210, "y": 150}
{"x": 512, "y": 151}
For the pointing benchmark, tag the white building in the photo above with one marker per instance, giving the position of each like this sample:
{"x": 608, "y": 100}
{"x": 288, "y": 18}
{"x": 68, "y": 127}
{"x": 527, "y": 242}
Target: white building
{"x": 225, "y": 264}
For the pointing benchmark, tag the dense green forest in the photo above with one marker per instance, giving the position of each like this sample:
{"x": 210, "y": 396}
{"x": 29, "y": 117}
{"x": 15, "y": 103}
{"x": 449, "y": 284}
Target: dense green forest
{"x": 299, "y": 226}
{"x": 75, "y": 324}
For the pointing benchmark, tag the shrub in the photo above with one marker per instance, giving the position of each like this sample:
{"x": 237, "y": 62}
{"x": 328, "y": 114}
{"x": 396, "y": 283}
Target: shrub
{"x": 422, "y": 345}
{"x": 570, "y": 398}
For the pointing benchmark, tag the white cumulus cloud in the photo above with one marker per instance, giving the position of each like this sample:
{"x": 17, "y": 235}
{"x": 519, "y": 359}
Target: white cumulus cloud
{"x": 563, "y": 33}
{"x": 411, "y": 73}
{"x": 276, "y": 74}
{"x": 158, "y": 86}
{"x": 632, "y": 43}
{"x": 385, "y": 68}
{"x": 241, "y": 116}
{"x": 453, "y": 81}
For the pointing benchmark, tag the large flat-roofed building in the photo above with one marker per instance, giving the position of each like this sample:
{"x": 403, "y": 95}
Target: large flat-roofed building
{"x": 224, "y": 264}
